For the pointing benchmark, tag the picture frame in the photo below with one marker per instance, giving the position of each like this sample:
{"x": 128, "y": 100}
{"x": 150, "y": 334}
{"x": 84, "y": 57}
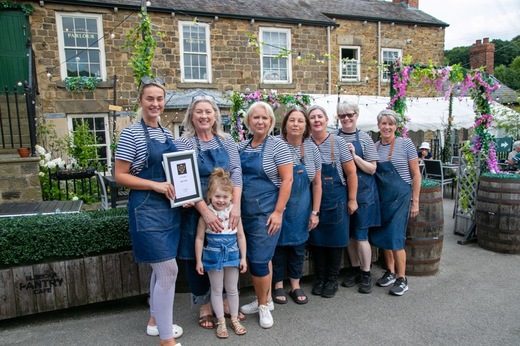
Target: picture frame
{"x": 182, "y": 172}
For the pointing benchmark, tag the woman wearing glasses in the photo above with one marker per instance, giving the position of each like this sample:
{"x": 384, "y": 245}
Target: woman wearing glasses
{"x": 338, "y": 202}
{"x": 154, "y": 225}
{"x": 399, "y": 181}
{"x": 268, "y": 174}
{"x": 363, "y": 150}
{"x": 215, "y": 149}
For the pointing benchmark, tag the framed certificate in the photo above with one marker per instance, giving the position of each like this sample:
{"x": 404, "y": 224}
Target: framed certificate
{"x": 182, "y": 171}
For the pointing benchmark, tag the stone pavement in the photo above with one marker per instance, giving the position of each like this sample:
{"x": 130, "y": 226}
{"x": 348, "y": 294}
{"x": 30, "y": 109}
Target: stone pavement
{"x": 474, "y": 299}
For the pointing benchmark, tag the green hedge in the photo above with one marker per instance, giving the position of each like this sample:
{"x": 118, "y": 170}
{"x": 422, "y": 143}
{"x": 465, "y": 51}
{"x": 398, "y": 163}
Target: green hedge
{"x": 44, "y": 238}
{"x": 429, "y": 183}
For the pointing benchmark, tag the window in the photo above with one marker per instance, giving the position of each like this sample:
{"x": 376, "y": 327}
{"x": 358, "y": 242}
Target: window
{"x": 195, "y": 52}
{"x": 349, "y": 64}
{"x": 389, "y": 57}
{"x": 81, "y": 47}
{"x": 275, "y": 68}
{"x": 98, "y": 126}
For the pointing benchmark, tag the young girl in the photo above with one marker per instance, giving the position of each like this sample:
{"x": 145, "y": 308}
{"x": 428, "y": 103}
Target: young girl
{"x": 220, "y": 257}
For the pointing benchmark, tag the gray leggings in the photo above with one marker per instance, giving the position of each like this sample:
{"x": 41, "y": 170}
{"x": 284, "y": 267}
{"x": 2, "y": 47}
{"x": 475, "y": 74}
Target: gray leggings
{"x": 162, "y": 294}
{"x": 228, "y": 278}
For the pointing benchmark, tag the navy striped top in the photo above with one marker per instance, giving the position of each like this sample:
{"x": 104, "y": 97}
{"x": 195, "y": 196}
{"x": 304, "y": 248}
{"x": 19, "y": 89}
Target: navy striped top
{"x": 404, "y": 151}
{"x": 367, "y": 144}
{"x": 341, "y": 154}
{"x": 312, "y": 157}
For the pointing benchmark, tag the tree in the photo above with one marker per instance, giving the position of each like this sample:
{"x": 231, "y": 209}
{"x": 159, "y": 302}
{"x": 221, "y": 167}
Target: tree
{"x": 457, "y": 55}
{"x": 510, "y": 76}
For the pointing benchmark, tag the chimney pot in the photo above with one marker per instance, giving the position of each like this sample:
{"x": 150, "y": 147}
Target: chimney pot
{"x": 486, "y": 40}
{"x": 479, "y": 42}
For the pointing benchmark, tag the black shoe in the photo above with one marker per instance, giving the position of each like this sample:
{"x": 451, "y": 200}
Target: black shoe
{"x": 330, "y": 289}
{"x": 365, "y": 286}
{"x": 352, "y": 278}
{"x": 317, "y": 289}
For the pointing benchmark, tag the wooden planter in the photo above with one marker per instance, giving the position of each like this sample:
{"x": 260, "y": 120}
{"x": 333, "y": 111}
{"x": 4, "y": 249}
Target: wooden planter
{"x": 57, "y": 285}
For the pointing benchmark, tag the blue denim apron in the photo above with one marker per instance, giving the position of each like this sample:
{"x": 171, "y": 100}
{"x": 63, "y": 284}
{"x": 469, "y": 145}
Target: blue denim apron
{"x": 154, "y": 225}
{"x": 368, "y": 213}
{"x": 333, "y": 228}
{"x": 295, "y": 224}
{"x": 207, "y": 161}
{"x": 394, "y": 196}
{"x": 259, "y": 199}
{"x": 221, "y": 250}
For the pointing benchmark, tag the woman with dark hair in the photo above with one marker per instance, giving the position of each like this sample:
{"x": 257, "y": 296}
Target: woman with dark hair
{"x": 267, "y": 171}
{"x": 154, "y": 225}
{"x": 338, "y": 202}
{"x": 399, "y": 180}
{"x": 302, "y": 211}
{"x": 215, "y": 149}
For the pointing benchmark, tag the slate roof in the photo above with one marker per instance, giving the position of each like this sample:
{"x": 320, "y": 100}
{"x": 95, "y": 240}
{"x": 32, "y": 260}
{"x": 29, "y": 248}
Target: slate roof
{"x": 375, "y": 10}
{"x": 288, "y": 11}
{"x": 504, "y": 95}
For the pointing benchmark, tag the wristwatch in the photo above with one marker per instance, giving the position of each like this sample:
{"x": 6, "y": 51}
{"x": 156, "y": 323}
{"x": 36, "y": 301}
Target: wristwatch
{"x": 316, "y": 213}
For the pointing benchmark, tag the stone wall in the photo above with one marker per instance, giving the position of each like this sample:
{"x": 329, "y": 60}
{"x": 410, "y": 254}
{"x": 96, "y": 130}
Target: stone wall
{"x": 19, "y": 181}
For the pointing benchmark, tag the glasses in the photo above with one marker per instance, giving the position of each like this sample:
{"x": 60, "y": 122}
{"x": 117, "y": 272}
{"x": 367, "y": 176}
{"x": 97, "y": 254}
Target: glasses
{"x": 148, "y": 80}
{"x": 202, "y": 97}
{"x": 346, "y": 115}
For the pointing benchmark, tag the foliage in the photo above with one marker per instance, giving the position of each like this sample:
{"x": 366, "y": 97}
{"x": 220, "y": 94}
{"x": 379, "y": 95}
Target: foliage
{"x": 241, "y": 102}
{"x": 508, "y": 121}
{"x": 509, "y": 75}
{"x": 82, "y": 142}
{"x": 465, "y": 195}
{"x": 457, "y": 55}
{"x": 501, "y": 175}
{"x": 400, "y": 78}
{"x": 78, "y": 84}
{"x": 142, "y": 44}
{"x": 42, "y": 238}
{"x": 429, "y": 183}
{"x": 27, "y": 9}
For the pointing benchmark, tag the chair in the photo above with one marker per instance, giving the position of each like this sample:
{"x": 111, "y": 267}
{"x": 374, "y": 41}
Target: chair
{"x": 106, "y": 201}
{"x": 454, "y": 160}
{"x": 435, "y": 171}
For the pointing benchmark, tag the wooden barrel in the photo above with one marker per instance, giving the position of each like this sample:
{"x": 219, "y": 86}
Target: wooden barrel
{"x": 498, "y": 214}
{"x": 425, "y": 234}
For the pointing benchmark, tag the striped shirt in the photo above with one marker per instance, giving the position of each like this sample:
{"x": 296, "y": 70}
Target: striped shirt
{"x": 131, "y": 146}
{"x": 231, "y": 147}
{"x": 341, "y": 154}
{"x": 366, "y": 142}
{"x": 312, "y": 157}
{"x": 276, "y": 153}
{"x": 404, "y": 151}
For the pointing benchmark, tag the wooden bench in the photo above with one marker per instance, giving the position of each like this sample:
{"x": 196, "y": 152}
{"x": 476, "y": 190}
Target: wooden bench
{"x": 11, "y": 209}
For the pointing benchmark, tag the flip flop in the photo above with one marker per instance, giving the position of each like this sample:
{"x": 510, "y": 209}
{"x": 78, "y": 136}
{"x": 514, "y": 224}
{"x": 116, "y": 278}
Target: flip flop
{"x": 279, "y": 292}
{"x": 206, "y": 322}
{"x": 298, "y": 293}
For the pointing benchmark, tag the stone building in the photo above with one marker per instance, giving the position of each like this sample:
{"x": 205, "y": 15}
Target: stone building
{"x": 308, "y": 46}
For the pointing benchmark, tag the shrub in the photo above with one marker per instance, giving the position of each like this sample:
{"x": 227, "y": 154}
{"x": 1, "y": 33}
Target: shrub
{"x": 45, "y": 238}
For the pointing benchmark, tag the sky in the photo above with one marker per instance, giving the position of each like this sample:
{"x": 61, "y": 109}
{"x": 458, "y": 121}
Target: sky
{"x": 471, "y": 20}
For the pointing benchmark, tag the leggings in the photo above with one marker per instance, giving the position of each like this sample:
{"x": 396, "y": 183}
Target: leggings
{"x": 228, "y": 278}
{"x": 162, "y": 294}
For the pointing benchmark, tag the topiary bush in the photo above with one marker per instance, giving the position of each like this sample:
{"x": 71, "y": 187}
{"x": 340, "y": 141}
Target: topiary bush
{"x": 45, "y": 238}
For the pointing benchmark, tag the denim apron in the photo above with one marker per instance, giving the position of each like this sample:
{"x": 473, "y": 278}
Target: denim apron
{"x": 368, "y": 214}
{"x": 295, "y": 223}
{"x": 207, "y": 160}
{"x": 333, "y": 228}
{"x": 259, "y": 199}
{"x": 394, "y": 196}
{"x": 221, "y": 250}
{"x": 154, "y": 225}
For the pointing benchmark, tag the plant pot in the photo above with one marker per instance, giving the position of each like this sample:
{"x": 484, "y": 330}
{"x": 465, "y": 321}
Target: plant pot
{"x": 24, "y": 152}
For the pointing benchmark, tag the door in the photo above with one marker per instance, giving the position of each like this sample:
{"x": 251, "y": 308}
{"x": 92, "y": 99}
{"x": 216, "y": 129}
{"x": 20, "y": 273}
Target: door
{"x": 14, "y": 62}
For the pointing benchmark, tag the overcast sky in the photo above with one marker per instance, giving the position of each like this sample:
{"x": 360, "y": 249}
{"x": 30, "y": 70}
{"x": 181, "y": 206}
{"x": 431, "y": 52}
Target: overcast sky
{"x": 471, "y": 20}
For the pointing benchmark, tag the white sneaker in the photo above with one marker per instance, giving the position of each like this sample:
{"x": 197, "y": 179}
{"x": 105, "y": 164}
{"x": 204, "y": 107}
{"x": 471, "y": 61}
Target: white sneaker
{"x": 252, "y": 308}
{"x": 154, "y": 331}
{"x": 264, "y": 313}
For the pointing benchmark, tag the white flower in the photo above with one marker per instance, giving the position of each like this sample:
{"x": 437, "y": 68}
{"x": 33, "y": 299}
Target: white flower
{"x": 75, "y": 198}
{"x": 41, "y": 174}
{"x": 47, "y": 157}
{"x": 40, "y": 150}
{"x": 42, "y": 163}
{"x": 51, "y": 164}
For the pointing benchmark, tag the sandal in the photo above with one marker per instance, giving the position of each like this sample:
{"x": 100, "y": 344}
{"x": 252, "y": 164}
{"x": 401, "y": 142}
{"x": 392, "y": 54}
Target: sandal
{"x": 222, "y": 332}
{"x": 278, "y": 293}
{"x": 241, "y": 316}
{"x": 206, "y": 322}
{"x": 297, "y": 294}
{"x": 237, "y": 327}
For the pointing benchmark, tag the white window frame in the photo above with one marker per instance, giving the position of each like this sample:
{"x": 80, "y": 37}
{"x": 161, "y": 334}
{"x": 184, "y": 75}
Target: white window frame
{"x": 101, "y": 42}
{"x": 207, "y": 54}
{"x": 385, "y": 74}
{"x": 353, "y": 63}
{"x": 263, "y": 71}
{"x": 72, "y": 117}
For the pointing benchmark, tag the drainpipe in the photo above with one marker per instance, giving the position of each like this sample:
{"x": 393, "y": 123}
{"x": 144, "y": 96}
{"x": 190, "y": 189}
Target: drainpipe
{"x": 378, "y": 58}
{"x": 329, "y": 67}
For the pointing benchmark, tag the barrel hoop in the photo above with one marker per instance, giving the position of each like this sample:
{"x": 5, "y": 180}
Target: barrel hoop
{"x": 430, "y": 200}
{"x": 495, "y": 213}
{"x": 495, "y": 200}
{"x": 425, "y": 240}
{"x": 426, "y": 224}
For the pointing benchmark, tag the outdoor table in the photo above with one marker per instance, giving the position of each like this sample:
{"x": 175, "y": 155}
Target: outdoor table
{"x": 10, "y": 209}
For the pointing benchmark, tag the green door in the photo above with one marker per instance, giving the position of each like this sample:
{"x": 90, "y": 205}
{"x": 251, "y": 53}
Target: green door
{"x": 14, "y": 63}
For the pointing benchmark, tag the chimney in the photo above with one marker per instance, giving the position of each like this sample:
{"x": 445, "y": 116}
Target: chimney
{"x": 407, "y": 3}
{"x": 482, "y": 53}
